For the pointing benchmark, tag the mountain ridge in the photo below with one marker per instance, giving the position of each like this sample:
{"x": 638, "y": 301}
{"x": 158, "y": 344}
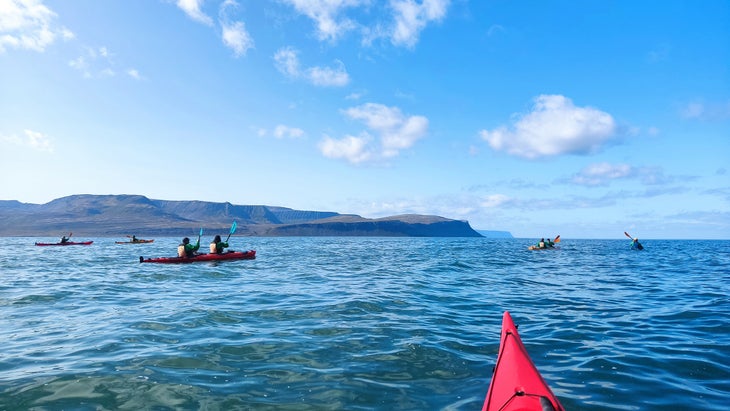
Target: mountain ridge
{"x": 124, "y": 214}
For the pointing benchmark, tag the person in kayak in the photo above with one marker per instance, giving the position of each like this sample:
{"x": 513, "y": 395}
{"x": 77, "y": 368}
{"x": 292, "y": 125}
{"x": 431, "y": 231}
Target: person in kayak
{"x": 64, "y": 239}
{"x": 186, "y": 249}
{"x": 636, "y": 245}
{"x": 549, "y": 243}
{"x": 541, "y": 243}
{"x": 217, "y": 246}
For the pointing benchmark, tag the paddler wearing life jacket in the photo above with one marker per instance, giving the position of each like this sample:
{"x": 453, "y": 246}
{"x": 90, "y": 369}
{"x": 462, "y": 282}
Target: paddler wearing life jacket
{"x": 541, "y": 243}
{"x": 635, "y": 244}
{"x": 217, "y": 246}
{"x": 185, "y": 249}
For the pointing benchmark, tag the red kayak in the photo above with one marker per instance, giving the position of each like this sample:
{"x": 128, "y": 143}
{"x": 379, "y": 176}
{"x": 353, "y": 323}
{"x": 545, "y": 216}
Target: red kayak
{"x": 516, "y": 383}
{"x": 66, "y": 243}
{"x": 232, "y": 255}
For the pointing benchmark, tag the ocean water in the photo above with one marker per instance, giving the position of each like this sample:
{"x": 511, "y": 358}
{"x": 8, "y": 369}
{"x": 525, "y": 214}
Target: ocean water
{"x": 361, "y": 324}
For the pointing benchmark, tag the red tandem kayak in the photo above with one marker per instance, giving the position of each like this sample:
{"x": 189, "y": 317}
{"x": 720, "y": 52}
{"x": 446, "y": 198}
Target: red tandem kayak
{"x": 516, "y": 383}
{"x": 66, "y": 243}
{"x": 233, "y": 255}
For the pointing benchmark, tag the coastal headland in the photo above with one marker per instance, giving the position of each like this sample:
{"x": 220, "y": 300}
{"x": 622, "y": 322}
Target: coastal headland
{"x": 114, "y": 215}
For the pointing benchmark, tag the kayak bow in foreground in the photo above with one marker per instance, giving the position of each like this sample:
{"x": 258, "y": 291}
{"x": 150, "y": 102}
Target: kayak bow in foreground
{"x": 232, "y": 255}
{"x": 516, "y": 383}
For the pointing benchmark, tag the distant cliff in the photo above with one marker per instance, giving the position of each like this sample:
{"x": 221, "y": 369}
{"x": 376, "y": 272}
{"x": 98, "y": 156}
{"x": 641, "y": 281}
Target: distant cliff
{"x": 114, "y": 215}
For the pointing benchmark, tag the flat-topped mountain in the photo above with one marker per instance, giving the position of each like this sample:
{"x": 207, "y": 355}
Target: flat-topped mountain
{"x": 113, "y": 215}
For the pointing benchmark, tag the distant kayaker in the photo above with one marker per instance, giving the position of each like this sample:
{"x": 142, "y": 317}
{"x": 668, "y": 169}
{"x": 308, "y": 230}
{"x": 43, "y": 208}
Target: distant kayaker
{"x": 549, "y": 243}
{"x": 541, "y": 243}
{"x": 64, "y": 239}
{"x": 217, "y": 246}
{"x": 134, "y": 238}
{"x": 186, "y": 249}
{"x": 636, "y": 245}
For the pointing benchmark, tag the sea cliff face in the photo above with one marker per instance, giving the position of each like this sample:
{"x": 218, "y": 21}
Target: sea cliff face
{"x": 113, "y": 215}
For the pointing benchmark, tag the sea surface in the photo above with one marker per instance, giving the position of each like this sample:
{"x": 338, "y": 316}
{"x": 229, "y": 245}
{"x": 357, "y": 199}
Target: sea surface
{"x": 361, "y": 324}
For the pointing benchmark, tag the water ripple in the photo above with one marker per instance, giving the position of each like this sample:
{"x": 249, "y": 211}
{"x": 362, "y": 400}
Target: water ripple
{"x": 364, "y": 323}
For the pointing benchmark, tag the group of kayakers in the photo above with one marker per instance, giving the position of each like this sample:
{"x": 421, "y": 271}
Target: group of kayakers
{"x": 547, "y": 243}
{"x": 186, "y": 249}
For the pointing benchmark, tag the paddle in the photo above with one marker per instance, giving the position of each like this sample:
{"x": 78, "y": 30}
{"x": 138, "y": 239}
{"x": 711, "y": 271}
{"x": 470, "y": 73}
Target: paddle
{"x": 200, "y": 234}
{"x": 233, "y": 230}
{"x": 638, "y": 244}
{"x": 557, "y": 239}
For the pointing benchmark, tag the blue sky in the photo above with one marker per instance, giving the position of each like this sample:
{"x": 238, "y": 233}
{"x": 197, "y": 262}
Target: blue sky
{"x": 584, "y": 119}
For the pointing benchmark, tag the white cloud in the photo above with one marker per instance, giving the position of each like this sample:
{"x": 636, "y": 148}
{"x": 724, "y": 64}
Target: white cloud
{"x": 134, "y": 74}
{"x": 234, "y": 33}
{"x": 554, "y": 126}
{"x": 28, "y": 24}
{"x": 411, "y": 18}
{"x": 698, "y": 110}
{"x": 237, "y": 38}
{"x": 192, "y": 9}
{"x": 351, "y": 148}
{"x": 282, "y": 131}
{"x": 32, "y": 139}
{"x": 602, "y": 173}
{"x": 287, "y": 62}
{"x": 395, "y": 132}
{"x": 494, "y": 201}
{"x": 327, "y": 15}
{"x": 328, "y": 76}
{"x": 95, "y": 62}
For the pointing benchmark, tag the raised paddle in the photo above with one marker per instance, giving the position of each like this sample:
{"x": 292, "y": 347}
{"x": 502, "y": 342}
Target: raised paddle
{"x": 233, "y": 230}
{"x": 557, "y": 239}
{"x": 628, "y": 235}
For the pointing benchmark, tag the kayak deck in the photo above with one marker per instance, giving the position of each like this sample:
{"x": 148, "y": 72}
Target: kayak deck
{"x": 516, "y": 383}
{"x": 232, "y": 255}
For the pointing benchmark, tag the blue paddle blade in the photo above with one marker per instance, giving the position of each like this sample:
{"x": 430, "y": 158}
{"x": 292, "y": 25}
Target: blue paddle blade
{"x": 233, "y": 227}
{"x": 201, "y": 231}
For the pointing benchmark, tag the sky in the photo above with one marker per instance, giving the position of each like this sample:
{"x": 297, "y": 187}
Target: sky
{"x": 580, "y": 118}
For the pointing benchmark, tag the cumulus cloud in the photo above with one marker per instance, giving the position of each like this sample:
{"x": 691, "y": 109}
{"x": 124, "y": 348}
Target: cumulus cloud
{"x": 328, "y": 15}
{"x": 393, "y": 132}
{"x": 29, "y": 25}
{"x": 192, "y": 9}
{"x": 236, "y": 38}
{"x": 32, "y": 139}
{"x": 351, "y": 148}
{"x": 234, "y": 33}
{"x": 287, "y": 62}
{"x": 555, "y": 126}
{"x": 411, "y": 18}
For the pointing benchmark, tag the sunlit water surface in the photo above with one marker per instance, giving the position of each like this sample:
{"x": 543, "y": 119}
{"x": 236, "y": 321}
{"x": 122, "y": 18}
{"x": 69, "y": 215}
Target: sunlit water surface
{"x": 361, "y": 324}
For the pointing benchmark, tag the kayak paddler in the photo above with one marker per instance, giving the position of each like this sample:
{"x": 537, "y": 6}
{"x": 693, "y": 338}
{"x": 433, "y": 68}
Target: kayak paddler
{"x": 186, "y": 249}
{"x": 217, "y": 246}
{"x": 636, "y": 245}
